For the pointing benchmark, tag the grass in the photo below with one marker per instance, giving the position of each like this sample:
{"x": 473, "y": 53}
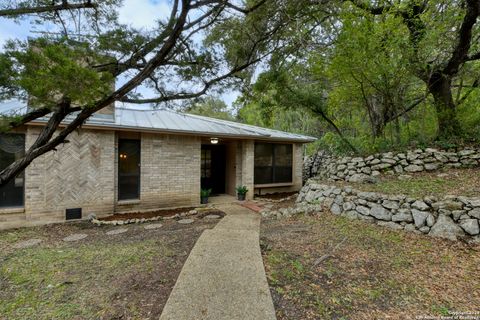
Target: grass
{"x": 376, "y": 273}
{"x": 127, "y": 276}
{"x": 49, "y": 277}
{"x": 464, "y": 182}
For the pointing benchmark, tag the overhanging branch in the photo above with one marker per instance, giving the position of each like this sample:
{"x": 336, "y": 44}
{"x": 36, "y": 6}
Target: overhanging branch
{"x": 52, "y": 8}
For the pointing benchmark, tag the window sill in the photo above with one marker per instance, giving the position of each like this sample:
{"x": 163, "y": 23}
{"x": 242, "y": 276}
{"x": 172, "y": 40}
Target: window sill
{"x": 273, "y": 185}
{"x": 12, "y": 210}
{"x": 128, "y": 202}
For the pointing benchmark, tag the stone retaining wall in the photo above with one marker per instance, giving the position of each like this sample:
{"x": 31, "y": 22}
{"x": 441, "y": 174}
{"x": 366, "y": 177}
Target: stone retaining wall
{"x": 450, "y": 217}
{"x": 366, "y": 169}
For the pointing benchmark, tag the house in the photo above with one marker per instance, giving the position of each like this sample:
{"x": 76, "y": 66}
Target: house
{"x": 131, "y": 160}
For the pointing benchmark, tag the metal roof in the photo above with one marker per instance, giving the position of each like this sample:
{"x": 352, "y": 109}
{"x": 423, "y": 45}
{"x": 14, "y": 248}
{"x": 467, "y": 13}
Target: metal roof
{"x": 168, "y": 121}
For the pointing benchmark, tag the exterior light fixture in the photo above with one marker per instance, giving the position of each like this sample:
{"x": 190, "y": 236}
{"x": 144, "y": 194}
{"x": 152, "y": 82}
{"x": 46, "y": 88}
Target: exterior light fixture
{"x": 214, "y": 140}
{"x": 123, "y": 156}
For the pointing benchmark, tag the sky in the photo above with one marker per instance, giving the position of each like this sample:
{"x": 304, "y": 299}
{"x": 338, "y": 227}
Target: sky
{"x": 137, "y": 13}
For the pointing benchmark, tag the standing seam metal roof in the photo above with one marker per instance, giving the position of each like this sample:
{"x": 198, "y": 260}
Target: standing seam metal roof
{"x": 167, "y": 120}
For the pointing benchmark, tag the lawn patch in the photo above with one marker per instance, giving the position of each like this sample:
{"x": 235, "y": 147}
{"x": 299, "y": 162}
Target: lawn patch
{"x": 374, "y": 273}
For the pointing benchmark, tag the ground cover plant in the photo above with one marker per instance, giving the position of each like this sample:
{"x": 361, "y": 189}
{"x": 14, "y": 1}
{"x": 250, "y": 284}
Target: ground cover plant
{"x": 124, "y": 276}
{"x": 329, "y": 267}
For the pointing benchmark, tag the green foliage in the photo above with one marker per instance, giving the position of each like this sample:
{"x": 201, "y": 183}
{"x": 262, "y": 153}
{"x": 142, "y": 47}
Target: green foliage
{"x": 45, "y": 70}
{"x": 242, "y": 190}
{"x": 205, "y": 193}
{"x": 210, "y": 107}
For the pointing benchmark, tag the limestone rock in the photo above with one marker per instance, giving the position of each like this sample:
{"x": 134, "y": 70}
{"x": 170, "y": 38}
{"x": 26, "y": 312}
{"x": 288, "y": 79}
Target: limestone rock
{"x": 413, "y": 168}
{"x": 380, "y": 213}
{"x": 390, "y": 204}
{"x": 403, "y": 215}
{"x": 420, "y": 205}
{"x": 419, "y": 217}
{"x": 335, "y": 209}
{"x": 446, "y": 228}
{"x": 474, "y": 213}
{"x": 27, "y": 243}
{"x": 75, "y": 237}
{"x": 185, "y": 221}
{"x": 363, "y": 210}
{"x": 153, "y": 226}
{"x": 470, "y": 226}
{"x": 116, "y": 231}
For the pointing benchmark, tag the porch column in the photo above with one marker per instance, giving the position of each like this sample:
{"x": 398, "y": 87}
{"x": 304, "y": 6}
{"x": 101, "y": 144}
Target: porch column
{"x": 248, "y": 148}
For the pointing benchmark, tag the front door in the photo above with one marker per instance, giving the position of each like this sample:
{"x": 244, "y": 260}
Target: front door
{"x": 213, "y": 168}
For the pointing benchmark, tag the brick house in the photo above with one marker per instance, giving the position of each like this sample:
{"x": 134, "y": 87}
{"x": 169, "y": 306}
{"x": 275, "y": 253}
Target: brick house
{"x": 124, "y": 159}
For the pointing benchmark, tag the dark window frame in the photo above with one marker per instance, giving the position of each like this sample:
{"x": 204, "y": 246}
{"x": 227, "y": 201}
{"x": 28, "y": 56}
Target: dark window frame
{"x": 119, "y": 196}
{"x": 274, "y": 180}
{"x": 22, "y": 198}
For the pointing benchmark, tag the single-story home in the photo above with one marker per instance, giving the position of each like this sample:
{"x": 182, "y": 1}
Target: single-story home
{"x": 124, "y": 160}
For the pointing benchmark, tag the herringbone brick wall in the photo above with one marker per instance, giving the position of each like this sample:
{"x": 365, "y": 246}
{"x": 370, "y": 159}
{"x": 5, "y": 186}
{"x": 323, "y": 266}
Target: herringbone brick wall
{"x": 79, "y": 174}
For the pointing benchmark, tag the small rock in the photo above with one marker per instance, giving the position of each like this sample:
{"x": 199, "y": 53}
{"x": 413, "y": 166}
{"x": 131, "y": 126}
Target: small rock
{"x": 409, "y": 227}
{"x": 185, "y": 221}
{"x": 474, "y": 213}
{"x": 446, "y": 228}
{"x": 430, "y": 220}
{"x": 212, "y": 216}
{"x": 335, "y": 209}
{"x": 420, "y": 205}
{"x": 92, "y": 216}
{"x": 470, "y": 226}
{"x": 116, "y": 231}
{"x": 404, "y": 177}
{"x": 413, "y": 168}
{"x": 402, "y": 215}
{"x": 27, "y": 243}
{"x": 380, "y": 213}
{"x": 363, "y": 210}
{"x": 424, "y": 229}
{"x": 390, "y": 204}
{"x": 153, "y": 226}
{"x": 419, "y": 217}
{"x": 75, "y": 237}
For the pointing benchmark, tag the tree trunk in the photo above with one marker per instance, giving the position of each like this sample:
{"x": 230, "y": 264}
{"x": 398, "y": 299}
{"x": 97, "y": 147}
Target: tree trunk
{"x": 440, "y": 86}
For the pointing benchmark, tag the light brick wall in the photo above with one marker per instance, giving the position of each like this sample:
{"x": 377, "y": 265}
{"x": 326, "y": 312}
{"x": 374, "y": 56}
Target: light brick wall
{"x": 247, "y": 166}
{"x": 79, "y": 174}
{"x": 83, "y": 174}
{"x": 170, "y": 172}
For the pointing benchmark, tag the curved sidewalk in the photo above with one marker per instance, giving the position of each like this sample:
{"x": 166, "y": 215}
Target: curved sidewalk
{"x": 224, "y": 277}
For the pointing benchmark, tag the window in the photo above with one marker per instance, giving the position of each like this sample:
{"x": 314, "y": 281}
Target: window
{"x": 273, "y": 163}
{"x": 128, "y": 169}
{"x": 12, "y": 148}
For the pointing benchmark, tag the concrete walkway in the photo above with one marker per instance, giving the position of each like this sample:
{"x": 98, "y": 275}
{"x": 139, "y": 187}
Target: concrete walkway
{"x": 224, "y": 277}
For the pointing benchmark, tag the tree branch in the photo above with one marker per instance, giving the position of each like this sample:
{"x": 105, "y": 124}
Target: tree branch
{"x": 460, "y": 53}
{"x": 42, "y": 9}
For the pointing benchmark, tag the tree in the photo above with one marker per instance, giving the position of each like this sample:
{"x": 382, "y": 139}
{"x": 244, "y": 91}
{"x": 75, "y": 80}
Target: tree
{"x": 443, "y": 38}
{"x": 210, "y": 107}
{"x": 68, "y": 73}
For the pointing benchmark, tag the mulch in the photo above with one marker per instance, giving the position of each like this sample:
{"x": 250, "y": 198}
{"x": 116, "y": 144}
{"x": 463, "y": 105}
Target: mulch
{"x": 276, "y": 196}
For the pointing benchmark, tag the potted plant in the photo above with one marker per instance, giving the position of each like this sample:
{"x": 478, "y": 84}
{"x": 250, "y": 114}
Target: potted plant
{"x": 241, "y": 192}
{"x": 204, "y": 194}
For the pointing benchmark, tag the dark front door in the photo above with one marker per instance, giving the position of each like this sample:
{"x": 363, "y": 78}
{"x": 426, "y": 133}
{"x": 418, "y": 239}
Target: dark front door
{"x": 213, "y": 168}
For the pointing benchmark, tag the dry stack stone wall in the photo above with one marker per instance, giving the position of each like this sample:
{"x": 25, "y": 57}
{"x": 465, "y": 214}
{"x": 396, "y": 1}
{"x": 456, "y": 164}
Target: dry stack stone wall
{"x": 366, "y": 169}
{"x": 450, "y": 217}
